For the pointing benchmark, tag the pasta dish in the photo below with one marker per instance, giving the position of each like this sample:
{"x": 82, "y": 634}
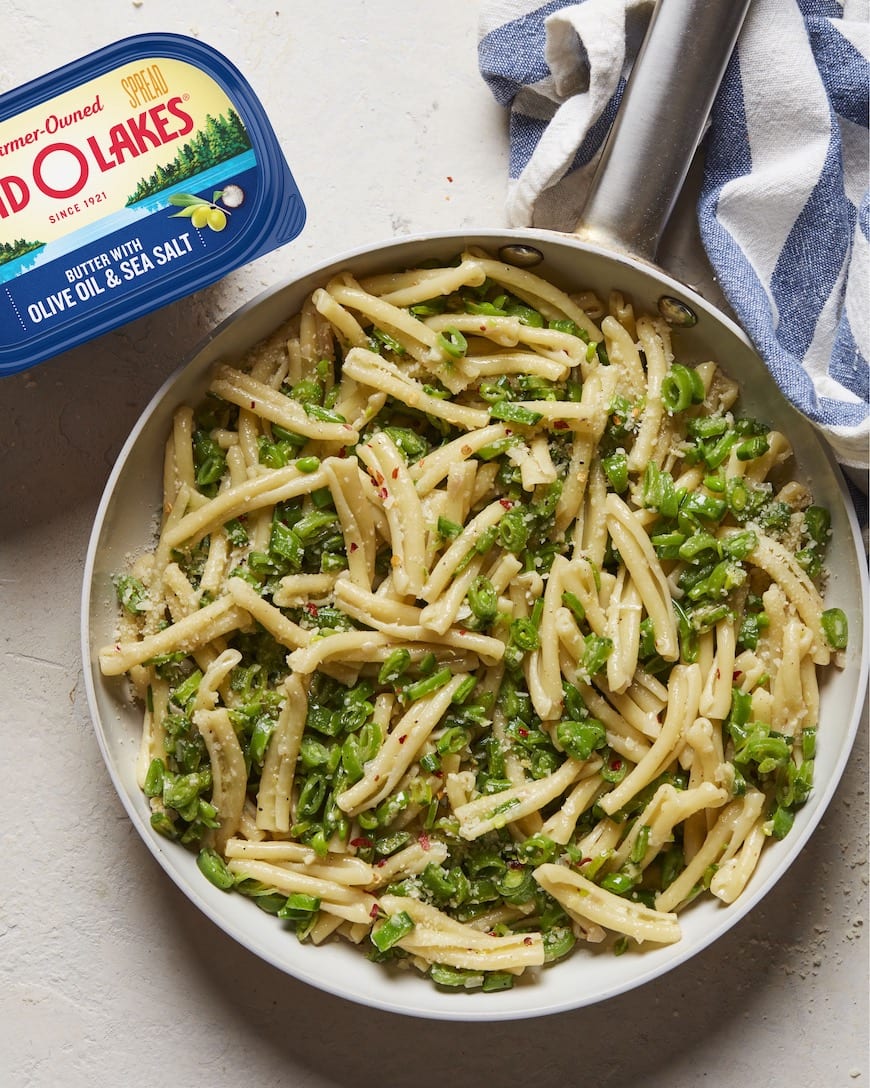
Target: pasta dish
{"x": 478, "y": 627}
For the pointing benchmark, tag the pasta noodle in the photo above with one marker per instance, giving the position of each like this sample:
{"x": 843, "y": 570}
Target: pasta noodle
{"x": 474, "y": 629}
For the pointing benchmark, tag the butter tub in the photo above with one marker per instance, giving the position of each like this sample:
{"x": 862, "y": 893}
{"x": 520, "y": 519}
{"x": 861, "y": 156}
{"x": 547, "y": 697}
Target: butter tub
{"x": 130, "y": 178}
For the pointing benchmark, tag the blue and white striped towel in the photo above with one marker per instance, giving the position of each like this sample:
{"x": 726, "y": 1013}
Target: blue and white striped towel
{"x": 784, "y": 212}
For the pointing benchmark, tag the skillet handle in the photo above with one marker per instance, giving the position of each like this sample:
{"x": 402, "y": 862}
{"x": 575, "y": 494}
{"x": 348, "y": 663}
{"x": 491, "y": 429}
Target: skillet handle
{"x": 659, "y": 123}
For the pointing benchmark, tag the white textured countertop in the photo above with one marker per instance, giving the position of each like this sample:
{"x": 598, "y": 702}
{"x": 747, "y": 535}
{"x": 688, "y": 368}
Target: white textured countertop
{"x": 108, "y": 976}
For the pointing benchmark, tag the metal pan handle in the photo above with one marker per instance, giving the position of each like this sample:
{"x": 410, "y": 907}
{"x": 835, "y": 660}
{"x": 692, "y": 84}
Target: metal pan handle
{"x": 659, "y": 123}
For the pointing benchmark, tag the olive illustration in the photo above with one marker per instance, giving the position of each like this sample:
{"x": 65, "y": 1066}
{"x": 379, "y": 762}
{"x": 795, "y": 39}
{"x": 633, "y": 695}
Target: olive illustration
{"x": 206, "y": 213}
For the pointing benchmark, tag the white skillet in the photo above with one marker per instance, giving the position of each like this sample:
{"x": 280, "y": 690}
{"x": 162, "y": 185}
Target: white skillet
{"x": 659, "y": 126}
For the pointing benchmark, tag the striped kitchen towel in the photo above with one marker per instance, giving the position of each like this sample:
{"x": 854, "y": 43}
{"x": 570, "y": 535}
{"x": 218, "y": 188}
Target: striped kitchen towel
{"x": 783, "y": 213}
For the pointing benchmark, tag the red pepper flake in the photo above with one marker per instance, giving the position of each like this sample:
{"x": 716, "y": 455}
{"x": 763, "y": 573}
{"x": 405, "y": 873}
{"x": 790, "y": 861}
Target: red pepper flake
{"x": 360, "y": 841}
{"x": 343, "y": 451}
{"x": 379, "y": 476}
{"x": 253, "y": 405}
{"x": 515, "y": 864}
{"x": 380, "y": 863}
{"x": 466, "y": 451}
{"x": 506, "y": 503}
{"x": 403, "y": 738}
{"x": 375, "y": 911}
{"x": 560, "y": 425}
{"x": 523, "y": 732}
{"x": 383, "y": 493}
{"x": 353, "y": 546}
{"x": 395, "y": 473}
{"x": 462, "y": 631}
{"x": 449, "y": 178}
{"x": 423, "y": 840}
{"x": 311, "y": 609}
{"x": 615, "y": 764}
{"x": 435, "y": 774}
{"x": 527, "y": 940}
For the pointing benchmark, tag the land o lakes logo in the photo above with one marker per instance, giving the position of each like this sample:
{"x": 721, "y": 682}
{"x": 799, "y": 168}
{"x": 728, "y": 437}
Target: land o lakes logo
{"x": 61, "y": 169}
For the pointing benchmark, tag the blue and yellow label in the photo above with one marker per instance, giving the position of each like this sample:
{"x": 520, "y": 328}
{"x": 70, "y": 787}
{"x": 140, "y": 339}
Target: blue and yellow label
{"x": 138, "y": 185}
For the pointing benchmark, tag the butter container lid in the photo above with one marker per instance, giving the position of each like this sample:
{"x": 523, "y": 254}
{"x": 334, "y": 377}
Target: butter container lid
{"x": 130, "y": 178}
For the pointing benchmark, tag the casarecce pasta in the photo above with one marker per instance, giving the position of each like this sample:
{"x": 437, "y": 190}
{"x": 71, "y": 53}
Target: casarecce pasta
{"x": 478, "y": 627}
